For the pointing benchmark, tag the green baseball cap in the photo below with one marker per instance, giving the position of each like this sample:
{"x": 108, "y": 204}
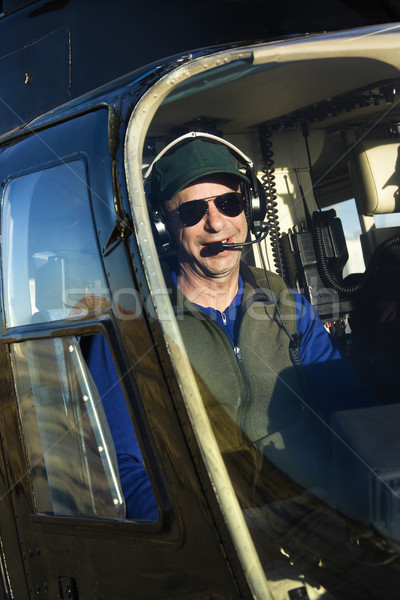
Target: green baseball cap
{"x": 185, "y": 164}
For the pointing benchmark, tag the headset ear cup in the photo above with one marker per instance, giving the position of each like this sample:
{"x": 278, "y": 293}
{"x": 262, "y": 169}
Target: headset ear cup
{"x": 256, "y": 206}
{"x": 163, "y": 237}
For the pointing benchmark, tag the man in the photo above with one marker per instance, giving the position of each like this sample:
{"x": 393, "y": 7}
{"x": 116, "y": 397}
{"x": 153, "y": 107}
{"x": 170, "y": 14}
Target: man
{"x": 238, "y": 326}
{"x": 267, "y": 370}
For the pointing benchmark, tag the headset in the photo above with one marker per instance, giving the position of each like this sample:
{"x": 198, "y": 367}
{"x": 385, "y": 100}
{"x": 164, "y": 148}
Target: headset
{"x": 256, "y": 205}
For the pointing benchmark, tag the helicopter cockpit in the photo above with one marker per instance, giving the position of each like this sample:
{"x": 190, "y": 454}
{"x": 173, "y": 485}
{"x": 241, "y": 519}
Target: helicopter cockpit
{"x": 319, "y": 119}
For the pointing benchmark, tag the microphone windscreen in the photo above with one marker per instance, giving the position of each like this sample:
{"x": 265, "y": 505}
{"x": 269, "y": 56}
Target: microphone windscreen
{"x": 216, "y": 247}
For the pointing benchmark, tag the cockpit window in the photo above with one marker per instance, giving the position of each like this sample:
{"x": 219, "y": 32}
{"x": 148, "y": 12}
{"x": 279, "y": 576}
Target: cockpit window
{"x": 84, "y": 457}
{"x": 71, "y": 454}
{"x": 48, "y": 232}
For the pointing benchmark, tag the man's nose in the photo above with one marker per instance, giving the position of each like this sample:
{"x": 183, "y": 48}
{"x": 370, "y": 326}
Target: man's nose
{"x": 214, "y": 220}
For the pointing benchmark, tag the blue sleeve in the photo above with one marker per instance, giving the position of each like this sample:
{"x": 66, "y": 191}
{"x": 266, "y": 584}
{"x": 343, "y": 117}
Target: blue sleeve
{"x": 333, "y": 379}
{"x": 136, "y": 487}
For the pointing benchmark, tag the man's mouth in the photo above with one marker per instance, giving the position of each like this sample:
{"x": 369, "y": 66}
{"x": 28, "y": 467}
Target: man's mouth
{"x": 215, "y": 247}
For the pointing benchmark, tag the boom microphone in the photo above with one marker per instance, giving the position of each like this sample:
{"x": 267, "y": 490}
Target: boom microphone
{"x": 217, "y": 247}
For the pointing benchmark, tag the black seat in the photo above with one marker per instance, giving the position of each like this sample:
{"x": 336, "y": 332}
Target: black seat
{"x": 375, "y": 325}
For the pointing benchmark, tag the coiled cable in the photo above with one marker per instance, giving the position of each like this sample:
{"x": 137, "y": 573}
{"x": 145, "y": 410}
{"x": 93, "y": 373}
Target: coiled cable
{"x": 327, "y": 277}
{"x": 269, "y": 185}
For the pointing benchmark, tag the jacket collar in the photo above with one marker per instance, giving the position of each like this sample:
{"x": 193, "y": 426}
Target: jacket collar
{"x": 255, "y": 288}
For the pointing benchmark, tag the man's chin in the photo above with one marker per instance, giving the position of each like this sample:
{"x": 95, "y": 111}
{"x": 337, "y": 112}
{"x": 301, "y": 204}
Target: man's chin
{"x": 220, "y": 265}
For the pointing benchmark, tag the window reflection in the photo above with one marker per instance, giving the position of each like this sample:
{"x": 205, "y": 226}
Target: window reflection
{"x": 70, "y": 450}
{"x": 50, "y": 256}
{"x": 83, "y": 454}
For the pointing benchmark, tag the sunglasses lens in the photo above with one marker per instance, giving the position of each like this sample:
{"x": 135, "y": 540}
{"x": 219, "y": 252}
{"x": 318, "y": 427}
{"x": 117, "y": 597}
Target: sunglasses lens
{"x": 192, "y": 212}
{"x": 230, "y": 204}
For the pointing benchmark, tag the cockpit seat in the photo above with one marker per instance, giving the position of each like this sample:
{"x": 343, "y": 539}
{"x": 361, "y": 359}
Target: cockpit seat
{"x": 375, "y": 325}
{"x": 375, "y": 172}
{"x": 375, "y": 321}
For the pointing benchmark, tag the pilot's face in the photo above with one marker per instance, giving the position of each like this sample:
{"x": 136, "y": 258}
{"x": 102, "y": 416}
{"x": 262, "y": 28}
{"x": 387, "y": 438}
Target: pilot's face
{"x": 194, "y": 253}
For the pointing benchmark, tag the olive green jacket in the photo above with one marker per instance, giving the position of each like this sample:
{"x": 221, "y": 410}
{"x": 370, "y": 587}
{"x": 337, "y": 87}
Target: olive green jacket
{"x": 252, "y": 393}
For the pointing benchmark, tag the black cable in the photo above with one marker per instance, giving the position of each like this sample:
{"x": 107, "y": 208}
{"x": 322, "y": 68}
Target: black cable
{"x": 294, "y": 345}
{"x": 294, "y": 342}
{"x": 327, "y": 277}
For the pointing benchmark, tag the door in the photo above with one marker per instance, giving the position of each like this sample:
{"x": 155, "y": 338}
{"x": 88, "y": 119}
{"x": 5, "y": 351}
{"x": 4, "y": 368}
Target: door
{"x": 106, "y": 498}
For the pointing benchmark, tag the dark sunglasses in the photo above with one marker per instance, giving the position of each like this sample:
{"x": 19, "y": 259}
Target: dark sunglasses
{"x": 230, "y": 204}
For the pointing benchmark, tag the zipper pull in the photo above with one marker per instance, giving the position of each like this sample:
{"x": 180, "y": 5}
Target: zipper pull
{"x": 223, "y": 316}
{"x": 236, "y": 350}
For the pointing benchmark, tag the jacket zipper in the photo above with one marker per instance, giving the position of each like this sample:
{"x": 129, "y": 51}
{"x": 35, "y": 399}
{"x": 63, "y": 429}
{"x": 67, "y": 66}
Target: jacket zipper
{"x": 243, "y": 406}
{"x": 236, "y": 350}
{"x": 244, "y": 402}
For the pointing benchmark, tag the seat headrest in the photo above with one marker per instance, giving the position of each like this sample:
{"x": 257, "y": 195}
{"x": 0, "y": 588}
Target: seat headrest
{"x": 376, "y": 170}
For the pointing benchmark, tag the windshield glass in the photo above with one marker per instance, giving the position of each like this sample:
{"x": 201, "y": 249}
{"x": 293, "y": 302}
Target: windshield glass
{"x": 300, "y": 395}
